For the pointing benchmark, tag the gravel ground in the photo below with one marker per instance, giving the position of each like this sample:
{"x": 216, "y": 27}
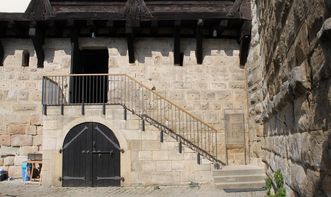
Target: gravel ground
{"x": 18, "y": 188}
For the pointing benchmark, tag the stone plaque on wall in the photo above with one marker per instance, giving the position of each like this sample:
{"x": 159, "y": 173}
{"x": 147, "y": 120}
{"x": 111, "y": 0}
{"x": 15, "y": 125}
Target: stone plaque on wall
{"x": 234, "y": 128}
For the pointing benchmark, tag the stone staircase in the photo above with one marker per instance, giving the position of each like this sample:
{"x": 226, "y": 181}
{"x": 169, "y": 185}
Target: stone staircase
{"x": 141, "y": 101}
{"x": 240, "y": 178}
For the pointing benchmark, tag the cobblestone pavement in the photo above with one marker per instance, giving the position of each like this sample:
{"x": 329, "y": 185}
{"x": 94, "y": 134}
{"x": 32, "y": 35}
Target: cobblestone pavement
{"x": 18, "y": 188}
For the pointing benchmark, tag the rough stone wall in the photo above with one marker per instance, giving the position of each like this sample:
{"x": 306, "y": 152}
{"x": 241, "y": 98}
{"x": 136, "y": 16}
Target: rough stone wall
{"x": 204, "y": 90}
{"x": 289, "y": 94}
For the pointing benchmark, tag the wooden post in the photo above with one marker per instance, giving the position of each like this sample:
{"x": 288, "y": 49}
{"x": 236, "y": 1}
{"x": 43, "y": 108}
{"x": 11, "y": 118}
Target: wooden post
{"x": 199, "y": 47}
{"x": 36, "y": 32}
{"x": 2, "y": 53}
{"x": 130, "y": 41}
{"x": 245, "y": 39}
{"x": 177, "y": 43}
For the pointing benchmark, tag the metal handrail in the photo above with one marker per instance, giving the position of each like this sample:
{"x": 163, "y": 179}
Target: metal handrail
{"x": 134, "y": 96}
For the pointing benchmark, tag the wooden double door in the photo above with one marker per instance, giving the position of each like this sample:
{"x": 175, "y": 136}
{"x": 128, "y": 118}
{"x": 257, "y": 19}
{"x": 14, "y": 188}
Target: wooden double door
{"x": 91, "y": 157}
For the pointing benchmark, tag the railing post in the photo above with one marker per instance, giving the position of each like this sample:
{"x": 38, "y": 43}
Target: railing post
{"x": 45, "y": 110}
{"x": 125, "y": 114}
{"x": 199, "y": 159}
{"x": 104, "y": 108}
{"x": 216, "y": 145}
{"x": 43, "y": 90}
{"x": 161, "y": 136}
{"x": 180, "y": 148}
{"x": 62, "y": 109}
{"x": 83, "y": 109}
{"x": 143, "y": 124}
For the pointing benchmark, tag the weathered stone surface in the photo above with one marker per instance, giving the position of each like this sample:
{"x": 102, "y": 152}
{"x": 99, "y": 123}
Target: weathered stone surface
{"x": 145, "y": 155}
{"x": 36, "y": 120}
{"x": 21, "y": 140}
{"x": 312, "y": 151}
{"x": 9, "y": 161}
{"x": 5, "y": 140}
{"x": 32, "y": 130}
{"x": 163, "y": 166}
{"x": 288, "y": 81}
{"x": 25, "y": 150}
{"x": 17, "y": 128}
{"x": 15, "y": 171}
{"x": 8, "y": 150}
{"x": 24, "y": 107}
{"x": 37, "y": 140}
{"x": 160, "y": 155}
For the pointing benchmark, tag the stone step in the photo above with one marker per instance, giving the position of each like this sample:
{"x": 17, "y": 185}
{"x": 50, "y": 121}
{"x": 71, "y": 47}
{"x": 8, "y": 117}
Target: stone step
{"x": 241, "y": 185}
{"x": 239, "y": 178}
{"x": 239, "y": 170}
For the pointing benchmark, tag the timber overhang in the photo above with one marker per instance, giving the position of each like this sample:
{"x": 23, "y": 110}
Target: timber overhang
{"x": 108, "y": 18}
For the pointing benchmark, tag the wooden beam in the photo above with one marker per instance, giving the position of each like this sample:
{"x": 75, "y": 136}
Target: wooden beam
{"x": 245, "y": 10}
{"x": 74, "y": 46}
{"x": 235, "y": 8}
{"x": 130, "y": 41}
{"x": 199, "y": 42}
{"x": 177, "y": 57}
{"x": 245, "y": 39}
{"x": 37, "y": 35}
{"x": 2, "y": 53}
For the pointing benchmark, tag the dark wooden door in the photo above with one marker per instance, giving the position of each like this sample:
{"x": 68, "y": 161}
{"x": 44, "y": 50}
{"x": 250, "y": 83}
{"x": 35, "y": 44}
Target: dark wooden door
{"x": 91, "y": 157}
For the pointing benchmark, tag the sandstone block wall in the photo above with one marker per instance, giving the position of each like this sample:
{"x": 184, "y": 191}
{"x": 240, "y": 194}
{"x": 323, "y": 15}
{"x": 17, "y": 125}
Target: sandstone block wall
{"x": 289, "y": 94}
{"x": 145, "y": 161}
{"x": 204, "y": 90}
{"x": 21, "y": 123}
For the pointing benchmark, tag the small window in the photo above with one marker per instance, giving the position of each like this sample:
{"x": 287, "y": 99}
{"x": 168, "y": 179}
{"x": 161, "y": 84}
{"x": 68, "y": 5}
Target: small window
{"x": 25, "y": 58}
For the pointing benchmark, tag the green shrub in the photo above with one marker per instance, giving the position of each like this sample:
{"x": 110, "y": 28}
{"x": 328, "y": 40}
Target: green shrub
{"x": 278, "y": 188}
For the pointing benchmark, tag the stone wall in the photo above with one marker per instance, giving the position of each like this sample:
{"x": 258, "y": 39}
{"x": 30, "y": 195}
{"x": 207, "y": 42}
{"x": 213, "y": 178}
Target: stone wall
{"x": 289, "y": 94}
{"x": 145, "y": 160}
{"x": 20, "y": 99}
{"x": 204, "y": 90}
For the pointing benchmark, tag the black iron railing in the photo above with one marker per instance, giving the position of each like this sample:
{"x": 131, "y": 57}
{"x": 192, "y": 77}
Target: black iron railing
{"x": 121, "y": 89}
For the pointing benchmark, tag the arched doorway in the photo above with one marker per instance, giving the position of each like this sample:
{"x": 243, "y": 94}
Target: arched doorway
{"x": 91, "y": 157}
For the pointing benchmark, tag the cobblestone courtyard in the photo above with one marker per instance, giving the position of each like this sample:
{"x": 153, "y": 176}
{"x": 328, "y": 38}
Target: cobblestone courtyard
{"x": 17, "y": 188}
